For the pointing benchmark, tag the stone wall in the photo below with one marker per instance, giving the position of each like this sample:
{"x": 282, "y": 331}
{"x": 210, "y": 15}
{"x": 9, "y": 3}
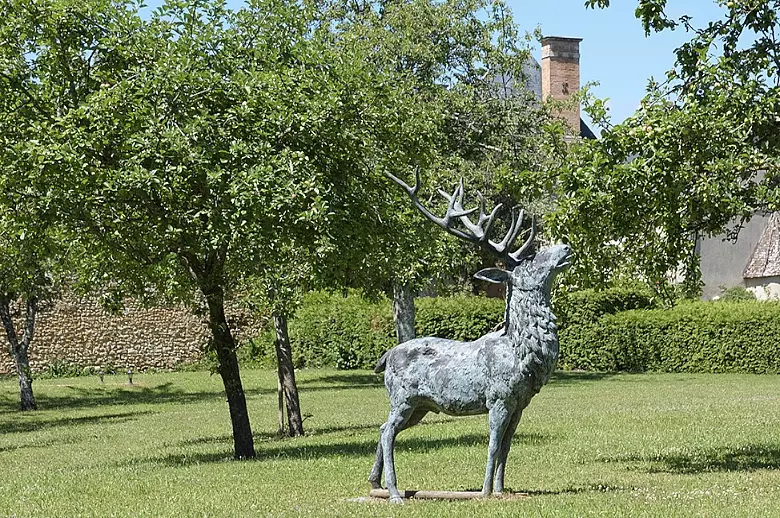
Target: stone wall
{"x": 82, "y": 333}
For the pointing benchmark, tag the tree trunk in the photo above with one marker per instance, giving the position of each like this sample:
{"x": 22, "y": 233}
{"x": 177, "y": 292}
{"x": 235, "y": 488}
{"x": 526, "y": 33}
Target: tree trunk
{"x": 19, "y": 349}
{"x": 225, "y": 347}
{"x": 403, "y": 312}
{"x": 25, "y": 381}
{"x": 280, "y": 403}
{"x": 286, "y": 374}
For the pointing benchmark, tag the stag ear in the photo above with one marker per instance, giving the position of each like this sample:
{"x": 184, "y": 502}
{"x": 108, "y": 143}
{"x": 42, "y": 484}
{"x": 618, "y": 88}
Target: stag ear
{"x": 496, "y": 275}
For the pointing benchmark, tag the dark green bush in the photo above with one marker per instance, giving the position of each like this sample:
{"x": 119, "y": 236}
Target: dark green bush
{"x": 458, "y": 318}
{"x": 736, "y": 293}
{"x": 332, "y": 330}
{"x": 353, "y": 332}
{"x": 585, "y": 307}
{"x": 596, "y": 332}
{"x": 693, "y": 337}
{"x": 59, "y": 368}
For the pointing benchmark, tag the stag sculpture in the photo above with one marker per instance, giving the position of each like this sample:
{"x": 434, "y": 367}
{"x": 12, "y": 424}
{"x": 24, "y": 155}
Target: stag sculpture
{"x": 497, "y": 374}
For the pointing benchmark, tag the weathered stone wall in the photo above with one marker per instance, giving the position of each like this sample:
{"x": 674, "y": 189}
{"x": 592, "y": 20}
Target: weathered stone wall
{"x": 82, "y": 333}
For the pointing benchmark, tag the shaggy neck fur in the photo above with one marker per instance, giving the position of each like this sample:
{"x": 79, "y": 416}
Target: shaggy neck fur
{"x": 531, "y": 329}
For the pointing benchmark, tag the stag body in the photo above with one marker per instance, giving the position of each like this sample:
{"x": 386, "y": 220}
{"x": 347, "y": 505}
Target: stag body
{"x": 497, "y": 374}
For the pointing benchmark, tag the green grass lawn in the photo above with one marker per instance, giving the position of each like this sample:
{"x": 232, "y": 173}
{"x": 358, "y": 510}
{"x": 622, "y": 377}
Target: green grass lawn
{"x": 588, "y": 445}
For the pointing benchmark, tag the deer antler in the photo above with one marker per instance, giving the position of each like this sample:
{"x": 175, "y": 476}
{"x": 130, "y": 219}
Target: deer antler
{"x": 474, "y": 232}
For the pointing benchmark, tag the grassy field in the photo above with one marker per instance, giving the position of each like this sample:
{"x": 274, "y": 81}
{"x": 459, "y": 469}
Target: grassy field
{"x": 588, "y": 445}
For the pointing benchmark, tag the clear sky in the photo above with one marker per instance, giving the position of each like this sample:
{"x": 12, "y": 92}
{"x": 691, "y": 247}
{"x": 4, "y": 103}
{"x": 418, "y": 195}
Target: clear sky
{"x": 614, "y": 50}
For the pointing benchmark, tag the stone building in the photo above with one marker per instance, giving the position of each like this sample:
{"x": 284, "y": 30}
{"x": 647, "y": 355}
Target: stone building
{"x": 752, "y": 261}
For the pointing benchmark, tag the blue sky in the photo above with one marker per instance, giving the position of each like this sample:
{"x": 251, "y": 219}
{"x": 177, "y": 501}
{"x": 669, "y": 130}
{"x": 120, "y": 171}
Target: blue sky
{"x": 614, "y": 50}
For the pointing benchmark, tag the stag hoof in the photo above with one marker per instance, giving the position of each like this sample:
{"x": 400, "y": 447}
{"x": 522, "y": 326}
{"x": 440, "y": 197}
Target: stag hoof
{"x": 396, "y": 500}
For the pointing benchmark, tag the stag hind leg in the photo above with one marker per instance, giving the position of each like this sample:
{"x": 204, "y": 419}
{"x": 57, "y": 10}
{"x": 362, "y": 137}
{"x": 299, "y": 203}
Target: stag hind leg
{"x": 397, "y": 420}
{"x": 498, "y": 486}
{"x": 376, "y": 470}
{"x": 375, "y": 477}
{"x": 499, "y": 418}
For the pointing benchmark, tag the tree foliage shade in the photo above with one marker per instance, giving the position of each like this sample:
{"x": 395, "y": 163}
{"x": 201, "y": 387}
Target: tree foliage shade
{"x": 697, "y": 159}
{"x": 195, "y": 153}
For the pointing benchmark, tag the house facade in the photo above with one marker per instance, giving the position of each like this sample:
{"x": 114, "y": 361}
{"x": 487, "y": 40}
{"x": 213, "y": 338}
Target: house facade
{"x": 752, "y": 261}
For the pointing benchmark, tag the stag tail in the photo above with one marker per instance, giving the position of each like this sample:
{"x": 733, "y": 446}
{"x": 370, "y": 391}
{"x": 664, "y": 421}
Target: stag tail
{"x": 382, "y": 363}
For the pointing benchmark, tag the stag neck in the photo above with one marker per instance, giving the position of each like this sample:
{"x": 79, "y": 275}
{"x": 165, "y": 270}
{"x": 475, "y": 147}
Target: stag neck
{"x": 528, "y": 309}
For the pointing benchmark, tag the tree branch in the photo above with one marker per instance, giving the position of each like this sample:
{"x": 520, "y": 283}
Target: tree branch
{"x": 8, "y": 324}
{"x": 29, "y": 328}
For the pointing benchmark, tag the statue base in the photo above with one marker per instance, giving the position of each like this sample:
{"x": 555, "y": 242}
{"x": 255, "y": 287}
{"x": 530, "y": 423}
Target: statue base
{"x": 444, "y": 495}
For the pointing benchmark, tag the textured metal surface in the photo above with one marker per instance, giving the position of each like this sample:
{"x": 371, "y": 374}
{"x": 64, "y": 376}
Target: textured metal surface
{"x": 497, "y": 374}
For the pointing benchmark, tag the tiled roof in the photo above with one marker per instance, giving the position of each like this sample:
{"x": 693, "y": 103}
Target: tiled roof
{"x": 765, "y": 259}
{"x": 586, "y": 132}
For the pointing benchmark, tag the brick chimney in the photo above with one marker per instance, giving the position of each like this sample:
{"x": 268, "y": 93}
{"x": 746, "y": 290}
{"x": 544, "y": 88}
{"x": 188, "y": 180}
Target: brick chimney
{"x": 561, "y": 75}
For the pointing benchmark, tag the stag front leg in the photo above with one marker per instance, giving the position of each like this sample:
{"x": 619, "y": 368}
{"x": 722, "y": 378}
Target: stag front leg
{"x": 499, "y": 417}
{"x": 498, "y": 487}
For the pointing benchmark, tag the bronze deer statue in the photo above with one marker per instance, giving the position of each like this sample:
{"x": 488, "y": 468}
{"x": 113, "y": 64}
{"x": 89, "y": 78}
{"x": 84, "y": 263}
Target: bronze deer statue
{"x": 497, "y": 374}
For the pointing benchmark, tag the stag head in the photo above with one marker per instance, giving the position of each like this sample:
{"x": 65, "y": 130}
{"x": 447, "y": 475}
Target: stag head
{"x": 537, "y": 273}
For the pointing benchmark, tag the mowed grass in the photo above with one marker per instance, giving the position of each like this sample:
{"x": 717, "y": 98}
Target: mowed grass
{"x": 588, "y": 445}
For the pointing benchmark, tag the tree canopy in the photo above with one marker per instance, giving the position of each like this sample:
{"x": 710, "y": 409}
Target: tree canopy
{"x": 700, "y": 153}
{"x": 195, "y": 152}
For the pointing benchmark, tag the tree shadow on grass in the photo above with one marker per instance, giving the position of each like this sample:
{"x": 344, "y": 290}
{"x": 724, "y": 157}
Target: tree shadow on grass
{"x": 347, "y": 379}
{"x": 293, "y": 450}
{"x": 310, "y": 432}
{"x": 75, "y": 397}
{"x": 747, "y": 458}
{"x": 277, "y": 448}
{"x": 565, "y": 378}
{"x": 34, "y": 425}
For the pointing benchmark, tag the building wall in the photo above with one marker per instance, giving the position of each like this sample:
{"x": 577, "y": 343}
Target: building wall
{"x": 765, "y": 288}
{"x": 82, "y": 333}
{"x": 723, "y": 263}
{"x": 561, "y": 75}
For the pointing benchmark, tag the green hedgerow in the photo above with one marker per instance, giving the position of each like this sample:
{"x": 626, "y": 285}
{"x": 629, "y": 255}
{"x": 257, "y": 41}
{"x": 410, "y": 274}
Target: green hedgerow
{"x": 692, "y": 337}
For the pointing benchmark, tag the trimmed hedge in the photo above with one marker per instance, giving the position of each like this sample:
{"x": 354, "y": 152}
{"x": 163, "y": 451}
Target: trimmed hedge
{"x": 693, "y": 337}
{"x": 332, "y": 331}
{"x": 585, "y": 307}
{"x": 458, "y": 318}
{"x": 353, "y": 332}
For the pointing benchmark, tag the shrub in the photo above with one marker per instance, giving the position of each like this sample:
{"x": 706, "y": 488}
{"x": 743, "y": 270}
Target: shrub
{"x": 61, "y": 368}
{"x": 692, "y": 337}
{"x": 585, "y": 307}
{"x": 736, "y": 293}
{"x": 460, "y": 317}
{"x": 353, "y": 332}
{"x": 332, "y": 330}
